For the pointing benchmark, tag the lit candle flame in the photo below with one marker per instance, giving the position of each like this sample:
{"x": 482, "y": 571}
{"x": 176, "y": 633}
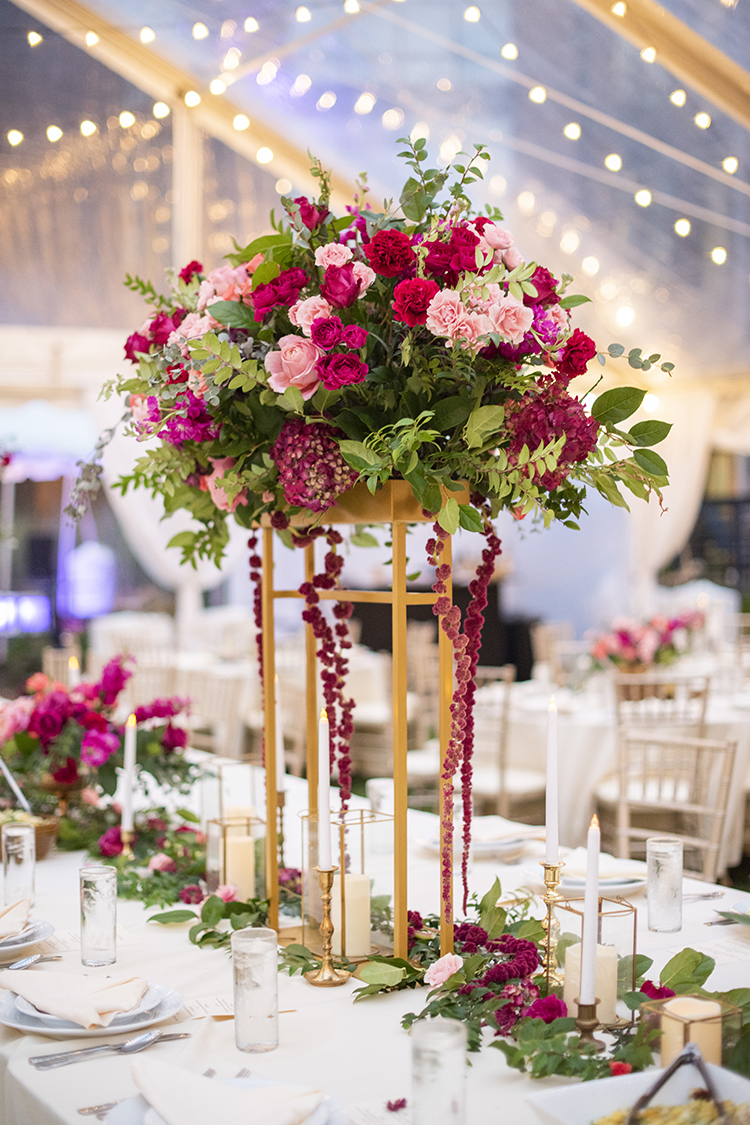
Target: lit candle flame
{"x": 323, "y": 716}
{"x": 594, "y": 821}
{"x": 552, "y": 705}
{"x": 131, "y": 721}
{"x": 73, "y": 663}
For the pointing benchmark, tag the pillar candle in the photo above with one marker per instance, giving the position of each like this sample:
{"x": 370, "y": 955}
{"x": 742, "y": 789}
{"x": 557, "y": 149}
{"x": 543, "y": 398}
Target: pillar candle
{"x": 126, "y": 822}
{"x": 239, "y": 865}
{"x": 590, "y": 915}
{"x": 551, "y": 796}
{"x": 324, "y": 794}
{"x": 605, "y": 980}
{"x": 357, "y": 907}
{"x": 280, "y": 771}
{"x": 74, "y": 672}
{"x": 674, "y": 1032}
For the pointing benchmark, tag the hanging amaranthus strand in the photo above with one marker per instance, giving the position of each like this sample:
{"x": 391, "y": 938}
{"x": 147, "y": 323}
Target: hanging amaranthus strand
{"x": 256, "y": 566}
{"x": 332, "y": 645}
{"x": 466, "y": 650}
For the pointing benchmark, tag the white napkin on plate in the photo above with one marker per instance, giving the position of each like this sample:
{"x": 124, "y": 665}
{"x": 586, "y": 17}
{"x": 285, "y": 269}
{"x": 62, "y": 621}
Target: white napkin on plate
{"x": 14, "y": 918}
{"x": 494, "y": 829}
{"x": 88, "y": 1001}
{"x": 610, "y": 867}
{"x": 184, "y": 1098}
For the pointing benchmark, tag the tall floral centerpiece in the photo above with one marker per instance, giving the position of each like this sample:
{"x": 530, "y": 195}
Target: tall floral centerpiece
{"x": 634, "y": 646}
{"x": 409, "y": 343}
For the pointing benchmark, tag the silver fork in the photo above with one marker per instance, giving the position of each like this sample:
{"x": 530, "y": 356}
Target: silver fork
{"x": 244, "y": 1073}
{"x": 99, "y": 1111}
{"x": 209, "y": 1073}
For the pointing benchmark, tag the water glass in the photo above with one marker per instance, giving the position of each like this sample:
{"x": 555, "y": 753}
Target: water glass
{"x": 664, "y": 862}
{"x": 438, "y": 1072}
{"x": 19, "y": 861}
{"x": 256, "y": 988}
{"x": 98, "y": 914}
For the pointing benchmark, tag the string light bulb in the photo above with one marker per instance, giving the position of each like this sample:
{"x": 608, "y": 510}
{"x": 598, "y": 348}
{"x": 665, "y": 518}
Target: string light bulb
{"x": 126, "y": 119}
{"x": 648, "y": 54}
{"x": 192, "y": 98}
{"x": 88, "y": 128}
{"x": 34, "y": 38}
{"x": 719, "y": 255}
{"x": 303, "y": 15}
{"x": 682, "y": 227}
{"x": 678, "y": 97}
{"x": 365, "y": 103}
{"x": 91, "y": 39}
{"x": 251, "y": 25}
{"x": 625, "y": 316}
{"x": 241, "y": 122}
{"x": 217, "y": 86}
{"x": 54, "y": 132}
{"x": 613, "y": 162}
{"x": 538, "y": 94}
{"x": 619, "y": 9}
{"x": 572, "y": 131}
{"x": 472, "y": 14}
{"x": 161, "y": 109}
{"x": 509, "y": 51}
{"x": 200, "y": 31}
{"x": 147, "y": 35}
{"x": 15, "y": 136}
{"x": 702, "y": 120}
{"x": 351, "y": 7}
{"x": 264, "y": 155}
{"x": 730, "y": 164}
{"x": 643, "y": 197}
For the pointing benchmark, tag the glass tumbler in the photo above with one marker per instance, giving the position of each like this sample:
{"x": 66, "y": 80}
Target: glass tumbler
{"x": 256, "y": 988}
{"x": 19, "y": 861}
{"x": 664, "y": 879}
{"x": 438, "y": 1072}
{"x": 98, "y": 915}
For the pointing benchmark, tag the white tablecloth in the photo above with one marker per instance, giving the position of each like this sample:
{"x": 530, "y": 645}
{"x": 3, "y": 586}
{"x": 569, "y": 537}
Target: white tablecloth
{"x": 357, "y": 1052}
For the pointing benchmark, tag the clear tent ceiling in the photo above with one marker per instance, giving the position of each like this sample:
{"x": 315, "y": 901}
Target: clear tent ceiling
{"x": 462, "y": 81}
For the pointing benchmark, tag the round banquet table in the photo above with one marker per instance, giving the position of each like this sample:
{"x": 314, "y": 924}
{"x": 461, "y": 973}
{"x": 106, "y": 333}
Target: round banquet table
{"x": 356, "y": 1052}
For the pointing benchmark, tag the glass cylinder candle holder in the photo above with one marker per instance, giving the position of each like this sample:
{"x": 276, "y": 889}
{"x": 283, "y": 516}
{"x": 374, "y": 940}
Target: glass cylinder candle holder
{"x": 713, "y": 1025}
{"x": 256, "y": 988}
{"x": 228, "y": 788}
{"x": 361, "y": 899}
{"x": 98, "y": 885}
{"x": 615, "y": 956}
{"x": 236, "y": 856}
{"x": 19, "y": 862}
{"x": 438, "y": 1072}
{"x": 664, "y": 884}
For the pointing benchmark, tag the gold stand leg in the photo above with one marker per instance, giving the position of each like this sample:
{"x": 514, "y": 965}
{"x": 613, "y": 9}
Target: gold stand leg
{"x": 550, "y": 923}
{"x": 326, "y": 976}
{"x": 269, "y": 727}
{"x": 445, "y": 672}
{"x": 400, "y": 835}
{"x": 127, "y": 842}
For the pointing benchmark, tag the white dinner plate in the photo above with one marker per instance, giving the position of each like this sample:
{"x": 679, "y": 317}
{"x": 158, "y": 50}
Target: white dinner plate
{"x": 574, "y": 887}
{"x": 34, "y": 932}
{"x": 150, "y": 999}
{"x": 170, "y": 1003}
{"x": 136, "y": 1111}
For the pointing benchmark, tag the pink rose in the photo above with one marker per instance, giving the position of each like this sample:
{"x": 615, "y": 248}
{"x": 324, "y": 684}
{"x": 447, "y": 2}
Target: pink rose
{"x": 305, "y": 312}
{"x": 512, "y": 257}
{"x": 209, "y": 483}
{"x": 162, "y": 862}
{"x": 225, "y": 283}
{"x": 254, "y": 262}
{"x": 444, "y": 313}
{"x": 439, "y": 972}
{"x": 510, "y": 318}
{"x": 332, "y": 254}
{"x": 89, "y": 796}
{"x": 192, "y": 328}
{"x": 196, "y": 381}
{"x": 15, "y": 717}
{"x": 227, "y": 892}
{"x": 364, "y": 274}
{"x": 139, "y": 407}
{"x": 294, "y": 365}
{"x": 497, "y": 237}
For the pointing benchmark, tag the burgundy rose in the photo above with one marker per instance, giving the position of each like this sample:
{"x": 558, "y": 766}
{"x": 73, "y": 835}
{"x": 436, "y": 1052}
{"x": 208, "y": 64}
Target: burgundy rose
{"x": 311, "y": 214}
{"x": 579, "y": 349}
{"x": 283, "y": 290}
{"x": 156, "y": 824}
{"x": 50, "y": 716}
{"x": 92, "y": 720}
{"x": 546, "y": 288}
{"x": 463, "y": 245}
{"x": 191, "y": 894}
{"x": 174, "y": 738}
{"x": 340, "y": 286}
{"x": 111, "y": 842}
{"x": 390, "y": 252}
{"x": 326, "y": 332}
{"x": 656, "y": 991}
{"x": 547, "y": 1008}
{"x": 176, "y": 373}
{"x": 354, "y": 336}
{"x": 162, "y": 326}
{"x": 66, "y": 774}
{"x": 411, "y": 299}
{"x": 136, "y": 343}
{"x": 189, "y": 271}
{"x": 341, "y": 370}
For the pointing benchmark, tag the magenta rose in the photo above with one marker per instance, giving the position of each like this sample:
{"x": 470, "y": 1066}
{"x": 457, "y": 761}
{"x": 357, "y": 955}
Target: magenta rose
{"x": 341, "y": 370}
{"x": 390, "y": 252}
{"x": 411, "y": 299}
{"x": 113, "y": 680}
{"x": 50, "y": 716}
{"x": 354, "y": 336}
{"x": 162, "y": 326}
{"x": 283, "y": 290}
{"x": 546, "y": 288}
{"x": 111, "y": 842}
{"x": 340, "y": 286}
{"x": 190, "y": 270}
{"x": 312, "y": 215}
{"x": 547, "y": 1008}
{"x": 98, "y": 746}
{"x": 579, "y": 349}
{"x": 174, "y": 738}
{"x": 136, "y": 343}
{"x": 326, "y": 332}
{"x": 656, "y": 991}
{"x": 463, "y": 245}
{"x": 294, "y": 365}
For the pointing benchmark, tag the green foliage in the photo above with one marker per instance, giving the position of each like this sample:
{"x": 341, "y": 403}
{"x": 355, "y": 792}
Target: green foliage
{"x": 544, "y": 1049}
{"x": 206, "y": 931}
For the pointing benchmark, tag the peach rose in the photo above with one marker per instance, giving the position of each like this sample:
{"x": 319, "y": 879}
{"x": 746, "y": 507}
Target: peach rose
{"x": 222, "y": 465}
{"x": 510, "y": 319}
{"x": 294, "y": 365}
{"x": 332, "y": 254}
{"x": 222, "y": 284}
{"x": 439, "y": 971}
{"x": 303, "y": 313}
{"x": 37, "y": 682}
{"x": 512, "y": 257}
{"x": 139, "y": 407}
{"x": 197, "y": 383}
{"x": 364, "y": 274}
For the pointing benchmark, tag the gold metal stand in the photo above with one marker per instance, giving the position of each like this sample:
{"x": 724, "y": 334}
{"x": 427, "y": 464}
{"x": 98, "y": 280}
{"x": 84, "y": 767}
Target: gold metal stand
{"x": 127, "y": 841}
{"x": 550, "y": 922}
{"x": 326, "y": 976}
{"x": 280, "y": 802}
{"x": 587, "y": 1023}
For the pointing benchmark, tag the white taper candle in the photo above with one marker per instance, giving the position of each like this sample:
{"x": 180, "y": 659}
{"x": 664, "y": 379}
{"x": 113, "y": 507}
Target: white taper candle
{"x": 324, "y": 794}
{"x": 126, "y": 821}
{"x": 551, "y": 795}
{"x": 587, "y": 994}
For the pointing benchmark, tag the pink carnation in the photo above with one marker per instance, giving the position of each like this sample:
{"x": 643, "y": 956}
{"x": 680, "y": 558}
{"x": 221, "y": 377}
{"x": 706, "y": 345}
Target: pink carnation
{"x": 440, "y": 970}
{"x": 139, "y": 407}
{"x": 497, "y": 237}
{"x": 332, "y": 254}
{"x": 220, "y": 466}
{"x": 192, "y": 328}
{"x": 303, "y": 313}
{"x": 294, "y": 365}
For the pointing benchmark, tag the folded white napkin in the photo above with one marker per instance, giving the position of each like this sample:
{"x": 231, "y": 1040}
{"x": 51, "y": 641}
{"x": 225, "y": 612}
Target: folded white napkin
{"x": 13, "y": 918}
{"x": 489, "y": 829}
{"x": 610, "y": 867}
{"x": 88, "y": 1001}
{"x": 184, "y": 1098}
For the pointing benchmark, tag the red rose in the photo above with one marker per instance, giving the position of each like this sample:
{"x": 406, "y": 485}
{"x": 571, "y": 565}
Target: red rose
{"x": 341, "y": 370}
{"x": 411, "y": 299}
{"x": 616, "y": 1067}
{"x": 66, "y": 774}
{"x": 579, "y": 349}
{"x": 390, "y": 252}
{"x": 136, "y": 343}
{"x": 340, "y": 286}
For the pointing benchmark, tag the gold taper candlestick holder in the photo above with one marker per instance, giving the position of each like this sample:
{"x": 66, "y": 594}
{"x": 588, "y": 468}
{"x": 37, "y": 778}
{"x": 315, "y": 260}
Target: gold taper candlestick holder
{"x": 550, "y": 923}
{"x": 326, "y": 976}
{"x": 587, "y": 1022}
{"x": 127, "y": 838}
{"x": 280, "y": 802}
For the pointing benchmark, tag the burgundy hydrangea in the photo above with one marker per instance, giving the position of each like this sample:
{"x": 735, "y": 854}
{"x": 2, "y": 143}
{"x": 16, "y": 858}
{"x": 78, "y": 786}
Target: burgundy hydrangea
{"x": 113, "y": 679}
{"x": 97, "y": 747}
{"x": 543, "y": 417}
{"x": 340, "y": 286}
{"x": 547, "y": 1008}
{"x": 395, "y": 1105}
{"x": 312, "y": 214}
{"x": 191, "y": 894}
{"x": 189, "y": 271}
{"x": 326, "y": 332}
{"x": 341, "y": 369}
{"x": 519, "y": 995}
{"x": 312, "y": 472}
{"x": 193, "y": 423}
{"x": 577, "y": 352}
{"x": 546, "y": 288}
{"x": 390, "y": 252}
{"x": 136, "y": 343}
{"x": 283, "y": 290}
{"x": 111, "y": 842}
{"x": 411, "y": 298}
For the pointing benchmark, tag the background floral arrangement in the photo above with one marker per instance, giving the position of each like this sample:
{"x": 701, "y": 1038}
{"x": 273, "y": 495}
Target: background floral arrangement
{"x": 411, "y": 343}
{"x": 71, "y": 734}
{"x": 631, "y": 645}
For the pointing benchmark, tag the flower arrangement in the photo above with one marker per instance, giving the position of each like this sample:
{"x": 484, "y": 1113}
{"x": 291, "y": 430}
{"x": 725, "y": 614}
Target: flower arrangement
{"x": 59, "y": 736}
{"x": 413, "y": 343}
{"x": 636, "y": 647}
